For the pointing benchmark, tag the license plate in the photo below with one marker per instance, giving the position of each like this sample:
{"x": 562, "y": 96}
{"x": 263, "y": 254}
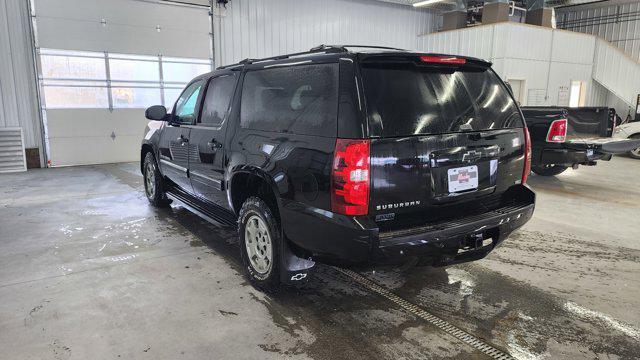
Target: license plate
{"x": 589, "y": 152}
{"x": 463, "y": 178}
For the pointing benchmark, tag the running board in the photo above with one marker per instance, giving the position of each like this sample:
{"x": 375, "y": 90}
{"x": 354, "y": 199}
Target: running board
{"x": 209, "y": 211}
{"x": 293, "y": 270}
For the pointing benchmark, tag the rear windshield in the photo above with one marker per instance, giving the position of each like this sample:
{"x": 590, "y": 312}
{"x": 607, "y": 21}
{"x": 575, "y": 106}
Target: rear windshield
{"x": 404, "y": 99}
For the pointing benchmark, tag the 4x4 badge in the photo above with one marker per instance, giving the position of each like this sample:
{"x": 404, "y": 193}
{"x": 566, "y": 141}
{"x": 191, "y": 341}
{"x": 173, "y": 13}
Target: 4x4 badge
{"x": 471, "y": 156}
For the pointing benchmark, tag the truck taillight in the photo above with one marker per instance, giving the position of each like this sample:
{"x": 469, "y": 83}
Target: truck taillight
{"x": 557, "y": 131}
{"x": 527, "y": 155}
{"x": 350, "y": 177}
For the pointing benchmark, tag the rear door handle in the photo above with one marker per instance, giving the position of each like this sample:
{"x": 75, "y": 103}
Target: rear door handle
{"x": 214, "y": 145}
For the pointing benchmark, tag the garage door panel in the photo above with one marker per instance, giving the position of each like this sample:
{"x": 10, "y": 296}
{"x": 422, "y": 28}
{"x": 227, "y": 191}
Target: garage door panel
{"x": 94, "y": 150}
{"x": 95, "y": 122}
{"x": 92, "y": 36}
{"x": 94, "y": 134}
{"x": 147, "y": 14}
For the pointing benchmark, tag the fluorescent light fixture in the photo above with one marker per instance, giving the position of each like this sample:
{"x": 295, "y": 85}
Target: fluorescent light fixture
{"x": 425, "y": 3}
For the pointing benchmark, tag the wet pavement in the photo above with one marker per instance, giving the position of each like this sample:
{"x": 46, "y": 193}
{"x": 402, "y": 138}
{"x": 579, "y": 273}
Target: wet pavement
{"x": 89, "y": 270}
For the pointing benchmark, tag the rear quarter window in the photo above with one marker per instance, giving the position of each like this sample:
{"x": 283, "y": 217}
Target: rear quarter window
{"x": 409, "y": 100}
{"x": 300, "y": 99}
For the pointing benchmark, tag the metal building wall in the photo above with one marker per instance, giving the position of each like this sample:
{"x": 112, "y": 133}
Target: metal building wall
{"x": 259, "y": 28}
{"x": 619, "y": 24}
{"x": 546, "y": 60}
{"x": 18, "y": 97}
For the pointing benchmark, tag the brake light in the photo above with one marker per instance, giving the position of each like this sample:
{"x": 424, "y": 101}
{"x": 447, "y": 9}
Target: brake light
{"x": 557, "y": 131}
{"x": 443, "y": 60}
{"x": 350, "y": 177}
{"x": 527, "y": 155}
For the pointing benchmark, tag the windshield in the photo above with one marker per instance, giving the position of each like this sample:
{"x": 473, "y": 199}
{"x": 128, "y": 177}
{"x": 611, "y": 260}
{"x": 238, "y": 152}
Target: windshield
{"x": 405, "y": 99}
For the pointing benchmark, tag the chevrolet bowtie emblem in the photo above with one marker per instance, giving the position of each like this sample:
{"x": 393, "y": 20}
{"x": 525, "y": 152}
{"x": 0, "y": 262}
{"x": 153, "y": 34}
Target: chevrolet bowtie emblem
{"x": 471, "y": 156}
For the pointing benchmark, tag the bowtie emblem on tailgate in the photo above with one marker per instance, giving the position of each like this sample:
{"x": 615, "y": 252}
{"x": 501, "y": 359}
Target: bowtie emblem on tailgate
{"x": 471, "y": 156}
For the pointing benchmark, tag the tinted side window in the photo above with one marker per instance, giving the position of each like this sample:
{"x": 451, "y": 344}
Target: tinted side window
{"x": 294, "y": 99}
{"x": 216, "y": 102}
{"x": 186, "y": 104}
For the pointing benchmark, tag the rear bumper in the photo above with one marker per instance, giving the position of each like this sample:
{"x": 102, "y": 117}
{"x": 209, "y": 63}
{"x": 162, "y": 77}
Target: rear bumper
{"x": 445, "y": 240}
{"x": 569, "y": 157}
{"x": 340, "y": 239}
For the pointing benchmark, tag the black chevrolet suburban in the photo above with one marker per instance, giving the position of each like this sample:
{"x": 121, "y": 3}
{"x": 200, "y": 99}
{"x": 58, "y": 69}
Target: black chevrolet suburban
{"x": 346, "y": 155}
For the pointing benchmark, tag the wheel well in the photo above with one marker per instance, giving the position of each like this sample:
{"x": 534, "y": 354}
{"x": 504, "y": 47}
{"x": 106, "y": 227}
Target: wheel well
{"x": 244, "y": 186}
{"x": 143, "y": 152}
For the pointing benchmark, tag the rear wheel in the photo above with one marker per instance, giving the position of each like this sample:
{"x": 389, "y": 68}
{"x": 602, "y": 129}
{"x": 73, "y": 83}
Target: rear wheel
{"x": 635, "y": 153}
{"x": 260, "y": 241}
{"x": 548, "y": 170}
{"x": 153, "y": 182}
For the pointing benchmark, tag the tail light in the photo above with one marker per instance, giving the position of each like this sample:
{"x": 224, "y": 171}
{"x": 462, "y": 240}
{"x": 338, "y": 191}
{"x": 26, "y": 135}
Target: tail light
{"x": 557, "y": 131}
{"x": 527, "y": 156}
{"x": 443, "y": 60}
{"x": 350, "y": 177}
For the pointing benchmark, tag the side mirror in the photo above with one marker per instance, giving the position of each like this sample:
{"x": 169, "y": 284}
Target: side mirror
{"x": 156, "y": 112}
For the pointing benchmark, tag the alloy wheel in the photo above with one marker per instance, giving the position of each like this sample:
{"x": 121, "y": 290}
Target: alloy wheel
{"x": 150, "y": 180}
{"x": 258, "y": 243}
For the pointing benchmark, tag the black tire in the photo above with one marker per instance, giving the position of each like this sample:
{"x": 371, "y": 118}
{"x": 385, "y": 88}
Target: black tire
{"x": 549, "y": 170}
{"x": 153, "y": 182}
{"x": 252, "y": 209}
{"x": 635, "y": 153}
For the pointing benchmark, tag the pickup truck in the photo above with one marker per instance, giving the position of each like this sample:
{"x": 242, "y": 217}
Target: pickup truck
{"x": 347, "y": 155}
{"x": 629, "y": 130}
{"x": 569, "y": 137}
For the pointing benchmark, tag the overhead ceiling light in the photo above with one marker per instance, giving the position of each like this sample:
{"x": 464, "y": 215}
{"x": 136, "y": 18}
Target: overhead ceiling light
{"x": 425, "y": 3}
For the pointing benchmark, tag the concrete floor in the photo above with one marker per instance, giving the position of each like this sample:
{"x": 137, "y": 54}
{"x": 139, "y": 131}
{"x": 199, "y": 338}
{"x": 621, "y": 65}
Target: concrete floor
{"x": 88, "y": 270}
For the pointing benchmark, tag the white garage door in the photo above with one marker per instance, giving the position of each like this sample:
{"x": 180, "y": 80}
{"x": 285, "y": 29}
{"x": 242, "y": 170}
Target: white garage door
{"x": 102, "y": 63}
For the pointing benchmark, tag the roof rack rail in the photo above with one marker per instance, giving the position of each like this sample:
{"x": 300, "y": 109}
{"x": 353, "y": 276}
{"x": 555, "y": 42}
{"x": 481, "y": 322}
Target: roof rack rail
{"x": 345, "y": 47}
{"x": 318, "y": 49}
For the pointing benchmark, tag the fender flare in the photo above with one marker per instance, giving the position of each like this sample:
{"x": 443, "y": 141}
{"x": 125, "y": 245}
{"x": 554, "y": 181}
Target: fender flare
{"x": 154, "y": 150}
{"x": 254, "y": 171}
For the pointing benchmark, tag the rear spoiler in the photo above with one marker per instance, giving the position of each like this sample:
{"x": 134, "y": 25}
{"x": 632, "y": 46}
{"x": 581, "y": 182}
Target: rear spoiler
{"x": 445, "y": 60}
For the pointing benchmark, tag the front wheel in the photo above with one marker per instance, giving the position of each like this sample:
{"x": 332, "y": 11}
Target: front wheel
{"x": 153, "y": 182}
{"x": 548, "y": 170}
{"x": 635, "y": 153}
{"x": 260, "y": 242}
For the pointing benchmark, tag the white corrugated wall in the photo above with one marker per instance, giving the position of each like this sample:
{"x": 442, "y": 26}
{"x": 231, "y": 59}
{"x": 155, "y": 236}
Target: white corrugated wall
{"x": 622, "y": 25}
{"x": 18, "y": 97}
{"x": 547, "y": 61}
{"x": 259, "y": 28}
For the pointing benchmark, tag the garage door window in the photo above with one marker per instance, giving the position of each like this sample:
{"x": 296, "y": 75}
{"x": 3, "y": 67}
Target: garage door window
{"x": 83, "y": 79}
{"x": 74, "y": 79}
